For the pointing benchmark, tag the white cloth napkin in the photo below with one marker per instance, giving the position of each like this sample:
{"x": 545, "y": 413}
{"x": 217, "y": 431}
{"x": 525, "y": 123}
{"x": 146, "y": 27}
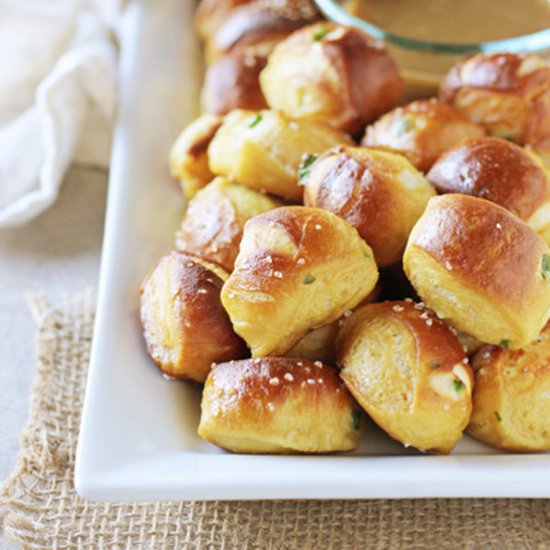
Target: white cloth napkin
{"x": 57, "y": 97}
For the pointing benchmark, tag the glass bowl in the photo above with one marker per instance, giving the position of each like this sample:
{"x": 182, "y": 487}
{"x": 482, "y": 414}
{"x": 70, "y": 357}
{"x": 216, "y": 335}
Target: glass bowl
{"x": 423, "y": 63}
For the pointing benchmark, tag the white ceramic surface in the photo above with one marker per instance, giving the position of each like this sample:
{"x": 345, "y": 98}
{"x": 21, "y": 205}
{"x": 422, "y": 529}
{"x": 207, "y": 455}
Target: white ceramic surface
{"x": 138, "y": 438}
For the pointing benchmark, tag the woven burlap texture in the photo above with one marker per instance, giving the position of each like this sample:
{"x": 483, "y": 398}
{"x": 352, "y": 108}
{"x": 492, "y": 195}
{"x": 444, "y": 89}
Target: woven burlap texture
{"x": 40, "y": 509}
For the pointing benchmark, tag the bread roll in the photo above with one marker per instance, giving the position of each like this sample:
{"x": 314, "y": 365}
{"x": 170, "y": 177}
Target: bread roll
{"x": 475, "y": 263}
{"x": 381, "y": 194}
{"x": 257, "y": 27}
{"x": 408, "y": 371}
{"x": 512, "y": 396}
{"x": 212, "y": 226}
{"x": 189, "y": 154}
{"x": 185, "y": 325}
{"x": 263, "y": 150}
{"x": 508, "y": 93}
{"x": 333, "y": 74}
{"x": 501, "y": 172}
{"x": 231, "y": 82}
{"x": 278, "y": 405}
{"x": 421, "y": 131}
{"x": 298, "y": 269}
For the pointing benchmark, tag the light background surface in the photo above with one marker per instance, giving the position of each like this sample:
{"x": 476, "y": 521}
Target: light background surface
{"x": 57, "y": 252}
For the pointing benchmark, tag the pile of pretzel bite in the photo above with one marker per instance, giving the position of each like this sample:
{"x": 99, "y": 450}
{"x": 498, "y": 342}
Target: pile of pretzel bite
{"x": 344, "y": 253}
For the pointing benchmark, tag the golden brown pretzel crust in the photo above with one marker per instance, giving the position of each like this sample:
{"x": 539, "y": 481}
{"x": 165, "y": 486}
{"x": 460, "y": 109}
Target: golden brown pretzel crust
{"x": 185, "y": 325}
{"x": 512, "y": 396}
{"x": 212, "y": 226}
{"x": 189, "y": 154}
{"x": 258, "y": 26}
{"x": 334, "y": 74}
{"x": 508, "y": 93}
{"x": 231, "y": 82}
{"x": 421, "y": 131}
{"x": 278, "y": 405}
{"x": 264, "y": 149}
{"x": 493, "y": 169}
{"x": 298, "y": 269}
{"x": 480, "y": 266}
{"x": 409, "y": 372}
{"x": 380, "y": 194}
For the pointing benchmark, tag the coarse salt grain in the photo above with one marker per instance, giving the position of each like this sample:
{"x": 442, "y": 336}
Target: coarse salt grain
{"x": 301, "y": 261}
{"x": 429, "y": 322}
{"x": 271, "y": 407}
{"x": 448, "y": 265}
{"x": 318, "y": 226}
{"x": 202, "y": 291}
{"x": 409, "y": 300}
{"x": 465, "y": 360}
{"x": 499, "y": 226}
{"x": 289, "y": 377}
{"x": 274, "y": 381}
{"x": 347, "y": 313}
{"x": 318, "y": 364}
{"x": 310, "y": 381}
{"x": 320, "y": 381}
{"x": 278, "y": 274}
{"x": 398, "y": 308}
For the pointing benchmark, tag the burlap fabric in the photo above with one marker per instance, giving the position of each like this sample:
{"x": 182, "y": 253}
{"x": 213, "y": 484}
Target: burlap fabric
{"x": 40, "y": 509}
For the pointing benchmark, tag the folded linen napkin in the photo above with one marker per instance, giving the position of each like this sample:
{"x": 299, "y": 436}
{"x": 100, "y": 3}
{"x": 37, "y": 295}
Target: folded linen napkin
{"x": 57, "y": 97}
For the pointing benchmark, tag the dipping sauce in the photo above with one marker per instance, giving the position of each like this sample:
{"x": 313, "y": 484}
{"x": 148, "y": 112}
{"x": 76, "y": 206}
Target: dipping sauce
{"x": 448, "y": 21}
{"x": 456, "y": 21}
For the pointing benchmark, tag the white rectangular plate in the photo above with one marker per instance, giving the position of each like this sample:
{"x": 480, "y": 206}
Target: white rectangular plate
{"x": 138, "y": 436}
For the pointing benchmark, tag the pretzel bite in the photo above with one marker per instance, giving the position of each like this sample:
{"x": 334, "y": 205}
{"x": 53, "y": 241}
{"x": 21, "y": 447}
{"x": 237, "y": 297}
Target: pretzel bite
{"x": 212, "y": 226}
{"x": 508, "y": 93}
{"x": 185, "y": 325}
{"x": 257, "y": 27}
{"x": 278, "y": 405}
{"x": 189, "y": 154}
{"x": 501, "y": 172}
{"x": 264, "y": 149}
{"x": 512, "y": 396}
{"x": 421, "y": 131}
{"x": 298, "y": 269}
{"x": 381, "y": 194}
{"x": 408, "y": 371}
{"x": 231, "y": 82}
{"x": 333, "y": 74}
{"x": 481, "y": 267}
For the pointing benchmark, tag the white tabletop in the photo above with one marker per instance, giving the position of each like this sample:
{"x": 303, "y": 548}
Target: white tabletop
{"x": 57, "y": 252}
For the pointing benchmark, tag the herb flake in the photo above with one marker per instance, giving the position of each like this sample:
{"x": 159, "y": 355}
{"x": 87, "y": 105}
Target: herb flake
{"x": 404, "y": 126}
{"x": 498, "y": 417}
{"x": 320, "y": 32}
{"x": 255, "y": 121}
{"x": 356, "y": 419}
{"x": 545, "y": 266}
{"x": 504, "y": 343}
{"x": 309, "y": 279}
{"x": 459, "y": 385}
{"x": 306, "y": 165}
{"x": 435, "y": 365}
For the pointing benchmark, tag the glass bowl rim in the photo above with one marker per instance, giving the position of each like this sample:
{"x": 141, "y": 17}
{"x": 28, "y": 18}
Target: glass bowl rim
{"x": 533, "y": 42}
